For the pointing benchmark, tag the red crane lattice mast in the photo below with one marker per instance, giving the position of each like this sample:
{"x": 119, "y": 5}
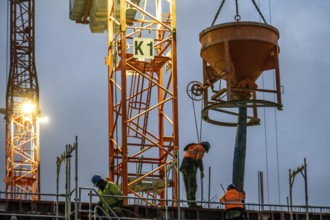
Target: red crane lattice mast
{"x": 22, "y": 106}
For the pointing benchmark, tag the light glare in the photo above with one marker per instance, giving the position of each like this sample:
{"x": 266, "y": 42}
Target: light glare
{"x": 43, "y": 119}
{"x": 28, "y": 107}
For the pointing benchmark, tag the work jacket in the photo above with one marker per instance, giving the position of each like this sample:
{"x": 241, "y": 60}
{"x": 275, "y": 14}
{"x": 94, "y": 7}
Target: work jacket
{"x": 110, "y": 189}
{"x": 193, "y": 156}
{"x": 234, "y": 199}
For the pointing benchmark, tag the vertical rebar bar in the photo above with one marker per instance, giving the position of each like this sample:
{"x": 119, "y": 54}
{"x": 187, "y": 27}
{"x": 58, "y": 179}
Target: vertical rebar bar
{"x": 290, "y": 194}
{"x": 209, "y": 190}
{"x": 306, "y": 188}
{"x": 58, "y": 166}
{"x": 76, "y": 178}
{"x": 178, "y": 185}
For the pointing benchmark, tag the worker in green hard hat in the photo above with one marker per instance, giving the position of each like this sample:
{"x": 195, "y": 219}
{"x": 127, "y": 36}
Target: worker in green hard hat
{"x": 111, "y": 190}
{"x": 192, "y": 160}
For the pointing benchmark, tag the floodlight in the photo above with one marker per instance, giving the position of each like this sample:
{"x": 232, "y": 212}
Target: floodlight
{"x": 43, "y": 119}
{"x": 28, "y": 107}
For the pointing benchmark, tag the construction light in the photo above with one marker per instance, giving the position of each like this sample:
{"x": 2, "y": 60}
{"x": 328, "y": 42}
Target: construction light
{"x": 28, "y": 107}
{"x": 43, "y": 119}
{"x": 131, "y": 73}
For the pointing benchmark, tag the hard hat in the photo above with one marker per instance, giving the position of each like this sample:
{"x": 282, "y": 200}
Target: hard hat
{"x": 231, "y": 186}
{"x": 206, "y": 145}
{"x": 96, "y": 179}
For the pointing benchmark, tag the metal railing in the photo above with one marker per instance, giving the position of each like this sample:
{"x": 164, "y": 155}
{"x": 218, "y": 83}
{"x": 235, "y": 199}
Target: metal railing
{"x": 91, "y": 212}
{"x": 250, "y": 207}
{"x": 32, "y": 212}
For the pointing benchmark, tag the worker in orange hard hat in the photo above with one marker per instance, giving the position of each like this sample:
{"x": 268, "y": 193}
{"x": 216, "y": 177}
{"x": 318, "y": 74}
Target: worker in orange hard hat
{"x": 234, "y": 203}
{"x": 192, "y": 160}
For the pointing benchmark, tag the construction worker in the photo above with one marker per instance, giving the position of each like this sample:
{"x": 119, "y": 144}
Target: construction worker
{"x": 234, "y": 203}
{"x": 193, "y": 159}
{"x": 107, "y": 188}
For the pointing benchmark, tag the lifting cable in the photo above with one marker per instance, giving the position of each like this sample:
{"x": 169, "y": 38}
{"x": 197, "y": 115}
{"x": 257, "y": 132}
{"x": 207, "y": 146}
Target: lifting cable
{"x": 238, "y": 16}
{"x": 266, "y": 141}
{"x": 256, "y": 6}
{"x": 276, "y": 127}
{"x": 201, "y": 129}
{"x": 265, "y": 134}
{"x": 277, "y": 149}
{"x": 198, "y": 131}
{"x": 218, "y": 12}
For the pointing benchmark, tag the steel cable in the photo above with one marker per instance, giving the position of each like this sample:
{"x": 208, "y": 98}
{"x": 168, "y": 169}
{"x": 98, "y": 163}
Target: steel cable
{"x": 256, "y": 6}
{"x": 237, "y": 16}
{"x": 218, "y": 12}
{"x": 196, "y": 125}
{"x": 201, "y": 126}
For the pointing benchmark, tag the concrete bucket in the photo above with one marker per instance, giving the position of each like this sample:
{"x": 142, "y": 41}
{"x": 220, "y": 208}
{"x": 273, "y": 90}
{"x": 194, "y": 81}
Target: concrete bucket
{"x": 240, "y": 51}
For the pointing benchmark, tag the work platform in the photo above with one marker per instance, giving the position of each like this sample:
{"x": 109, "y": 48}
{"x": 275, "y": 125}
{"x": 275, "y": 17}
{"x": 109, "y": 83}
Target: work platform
{"x": 31, "y": 210}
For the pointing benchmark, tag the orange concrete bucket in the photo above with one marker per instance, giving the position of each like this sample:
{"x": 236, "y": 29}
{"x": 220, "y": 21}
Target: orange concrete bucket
{"x": 242, "y": 49}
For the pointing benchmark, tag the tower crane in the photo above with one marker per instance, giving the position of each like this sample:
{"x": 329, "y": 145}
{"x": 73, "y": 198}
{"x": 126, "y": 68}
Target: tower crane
{"x": 142, "y": 93}
{"x": 22, "y": 106}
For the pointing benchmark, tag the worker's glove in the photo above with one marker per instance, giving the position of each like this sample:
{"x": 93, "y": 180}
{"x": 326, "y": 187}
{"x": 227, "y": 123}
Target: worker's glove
{"x": 202, "y": 174}
{"x": 99, "y": 212}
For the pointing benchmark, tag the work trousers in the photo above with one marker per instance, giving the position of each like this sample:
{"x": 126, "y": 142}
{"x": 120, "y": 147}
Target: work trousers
{"x": 234, "y": 214}
{"x": 190, "y": 183}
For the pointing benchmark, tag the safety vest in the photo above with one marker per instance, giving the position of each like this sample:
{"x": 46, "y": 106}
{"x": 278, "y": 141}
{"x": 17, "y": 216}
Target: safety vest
{"x": 195, "y": 152}
{"x": 235, "y": 197}
{"x": 110, "y": 189}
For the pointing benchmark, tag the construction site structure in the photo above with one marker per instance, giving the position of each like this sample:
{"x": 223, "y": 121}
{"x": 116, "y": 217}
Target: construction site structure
{"x": 22, "y": 106}
{"x": 29, "y": 210}
{"x": 143, "y": 103}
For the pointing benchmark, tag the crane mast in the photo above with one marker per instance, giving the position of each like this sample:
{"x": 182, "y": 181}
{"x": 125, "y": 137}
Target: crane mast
{"x": 143, "y": 105}
{"x": 142, "y": 93}
{"x": 22, "y": 106}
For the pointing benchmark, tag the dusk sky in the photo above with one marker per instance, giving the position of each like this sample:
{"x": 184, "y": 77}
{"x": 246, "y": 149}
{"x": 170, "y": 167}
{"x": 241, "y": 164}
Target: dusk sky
{"x": 73, "y": 94}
